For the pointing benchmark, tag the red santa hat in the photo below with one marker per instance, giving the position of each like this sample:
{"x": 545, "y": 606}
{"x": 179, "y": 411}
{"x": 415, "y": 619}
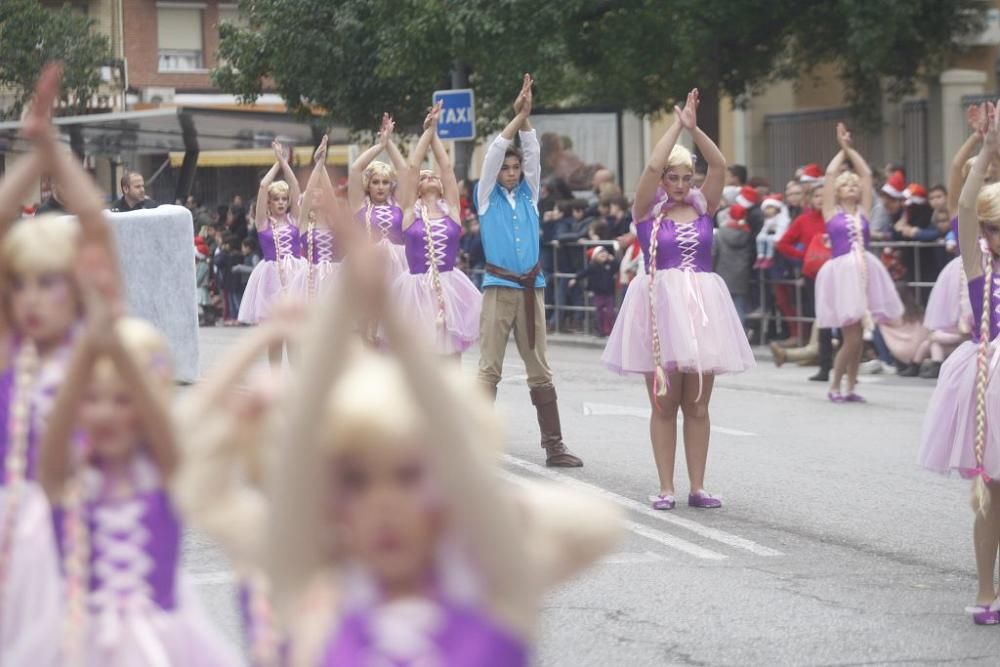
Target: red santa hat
{"x": 811, "y": 173}
{"x": 772, "y": 200}
{"x": 915, "y": 194}
{"x": 895, "y": 185}
{"x": 737, "y": 213}
{"x": 747, "y": 197}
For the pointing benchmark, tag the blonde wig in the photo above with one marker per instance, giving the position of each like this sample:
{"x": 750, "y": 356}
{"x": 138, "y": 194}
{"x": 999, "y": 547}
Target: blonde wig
{"x": 679, "y": 158}
{"x": 278, "y": 188}
{"x": 988, "y": 203}
{"x": 148, "y": 347}
{"x": 380, "y": 169}
{"x": 47, "y": 243}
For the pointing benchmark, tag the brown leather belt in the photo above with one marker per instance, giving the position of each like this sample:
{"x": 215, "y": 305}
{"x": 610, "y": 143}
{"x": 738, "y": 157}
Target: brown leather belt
{"x": 527, "y": 281}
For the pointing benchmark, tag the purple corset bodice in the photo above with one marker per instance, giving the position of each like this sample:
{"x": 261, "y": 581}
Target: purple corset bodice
{"x": 843, "y": 234}
{"x": 976, "y": 301}
{"x": 452, "y": 637}
{"x": 279, "y": 240}
{"x": 324, "y": 245}
{"x": 444, "y": 233}
{"x": 134, "y": 549}
{"x": 686, "y": 246}
{"x": 384, "y": 220}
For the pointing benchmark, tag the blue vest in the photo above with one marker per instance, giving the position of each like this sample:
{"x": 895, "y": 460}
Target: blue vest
{"x": 510, "y": 235}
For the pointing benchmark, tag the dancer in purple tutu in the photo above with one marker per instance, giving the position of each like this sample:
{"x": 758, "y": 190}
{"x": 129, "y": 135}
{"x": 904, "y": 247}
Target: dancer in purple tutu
{"x": 39, "y": 261}
{"x": 853, "y": 290}
{"x": 678, "y": 326}
{"x": 105, "y": 463}
{"x": 379, "y": 193}
{"x": 278, "y": 232}
{"x": 393, "y": 541}
{"x": 319, "y": 242}
{"x": 440, "y": 303}
{"x": 961, "y": 430}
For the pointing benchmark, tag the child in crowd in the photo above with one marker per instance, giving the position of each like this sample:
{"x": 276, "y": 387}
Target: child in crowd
{"x": 601, "y": 274}
{"x": 776, "y": 221}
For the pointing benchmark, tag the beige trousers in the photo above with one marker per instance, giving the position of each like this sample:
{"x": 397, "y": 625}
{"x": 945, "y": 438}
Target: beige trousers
{"x": 503, "y": 310}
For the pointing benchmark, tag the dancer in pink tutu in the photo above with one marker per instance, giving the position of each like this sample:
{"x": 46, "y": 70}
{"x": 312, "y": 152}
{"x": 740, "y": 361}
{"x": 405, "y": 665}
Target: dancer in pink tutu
{"x": 678, "y": 326}
{"x": 853, "y": 289}
{"x": 949, "y": 314}
{"x": 961, "y": 430}
{"x": 38, "y": 261}
{"x": 379, "y": 193}
{"x": 438, "y": 301}
{"x": 278, "y": 232}
{"x": 393, "y": 541}
{"x": 319, "y": 242}
{"x": 106, "y": 461}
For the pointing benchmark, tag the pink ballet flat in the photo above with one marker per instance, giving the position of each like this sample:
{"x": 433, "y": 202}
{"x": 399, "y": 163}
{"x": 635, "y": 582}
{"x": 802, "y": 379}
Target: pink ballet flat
{"x": 835, "y": 397}
{"x": 703, "y": 500}
{"x": 666, "y": 502}
{"x": 984, "y": 614}
{"x": 854, "y": 398}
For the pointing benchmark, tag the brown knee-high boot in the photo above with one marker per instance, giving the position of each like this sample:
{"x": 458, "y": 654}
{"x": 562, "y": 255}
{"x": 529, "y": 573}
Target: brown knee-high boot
{"x": 557, "y": 455}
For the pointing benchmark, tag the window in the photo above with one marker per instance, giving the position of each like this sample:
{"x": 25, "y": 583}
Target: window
{"x": 178, "y": 30}
{"x": 230, "y": 13}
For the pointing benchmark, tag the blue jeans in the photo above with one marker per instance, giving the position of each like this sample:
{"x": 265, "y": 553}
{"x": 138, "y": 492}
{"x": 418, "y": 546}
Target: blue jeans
{"x": 740, "y": 301}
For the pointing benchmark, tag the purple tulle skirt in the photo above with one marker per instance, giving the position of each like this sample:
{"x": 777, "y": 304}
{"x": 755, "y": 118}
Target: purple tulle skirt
{"x": 946, "y": 307}
{"x": 32, "y": 620}
{"x": 698, "y": 324}
{"x": 308, "y": 285}
{"x": 839, "y": 299}
{"x": 462, "y": 305}
{"x": 396, "y": 256}
{"x": 267, "y": 284}
{"x": 949, "y": 433}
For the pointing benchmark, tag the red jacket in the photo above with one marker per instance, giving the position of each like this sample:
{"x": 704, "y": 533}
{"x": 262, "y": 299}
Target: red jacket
{"x": 801, "y": 232}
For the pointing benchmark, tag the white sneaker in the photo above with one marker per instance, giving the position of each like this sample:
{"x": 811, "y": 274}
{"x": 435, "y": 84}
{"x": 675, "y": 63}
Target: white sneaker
{"x": 873, "y": 367}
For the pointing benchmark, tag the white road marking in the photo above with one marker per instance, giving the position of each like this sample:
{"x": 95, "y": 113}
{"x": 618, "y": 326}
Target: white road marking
{"x": 653, "y": 534}
{"x": 607, "y": 409}
{"x": 631, "y": 558}
{"x": 715, "y": 534}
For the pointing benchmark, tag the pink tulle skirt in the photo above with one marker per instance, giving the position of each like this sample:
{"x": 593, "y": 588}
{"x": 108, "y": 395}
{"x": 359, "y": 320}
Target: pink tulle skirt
{"x": 396, "y": 256}
{"x": 309, "y": 284}
{"x": 463, "y": 303}
{"x": 949, "y": 433}
{"x": 698, "y": 325}
{"x": 182, "y": 636}
{"x": 946, "y": 307}
{"x": 840, "y": 300}
{"x": 31, "y": 624}
{"x": 267, "y": 284}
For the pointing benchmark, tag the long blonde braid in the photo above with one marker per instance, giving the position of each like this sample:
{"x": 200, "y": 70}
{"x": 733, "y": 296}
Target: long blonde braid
{"x": 26, "y": 365}
{"x": 660, "y": 382}
{"x": 432, "y": 267}
{"x": 980, "y": 490}
{"x": 859, "y": 248}
{"x": 310, "y": 240}
{"x": 76, "y": 565}
{"x": 964, "y": 306}
{"x": 277, "y": 250}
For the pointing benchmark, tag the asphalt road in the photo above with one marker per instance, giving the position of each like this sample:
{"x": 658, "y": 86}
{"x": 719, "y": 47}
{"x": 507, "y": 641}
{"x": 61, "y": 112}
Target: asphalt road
{"x": 833, "y": 547}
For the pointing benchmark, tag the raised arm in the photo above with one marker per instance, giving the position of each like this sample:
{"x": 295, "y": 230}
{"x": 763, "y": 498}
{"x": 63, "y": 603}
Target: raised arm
{"x": 716, "y": 177}
{"x": 448, "y": 181}
{"x": 263, "y": 213}
{"x": 355, "y": 175}
{"x": 405, "y": 180}
{"x": 652, "y": 175}
{"x": 829, "y": 185}
{"x": 493, "y": 160}
{"x": 861, "y": 167}
{"x": 315, "y": 186}
{"x": 294, "y": 191}
{"x": 968, "y": 218}
{"x": 974, "y": 114}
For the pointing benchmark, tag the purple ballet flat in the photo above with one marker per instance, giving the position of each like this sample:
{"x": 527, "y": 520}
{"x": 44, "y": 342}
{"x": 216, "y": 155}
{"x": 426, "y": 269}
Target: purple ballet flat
{"x": 835, "y": 397}
{"x": 663, "y": 502}
{"x": 703, "y": 500}
{"x": 984, "y": 615}
{"x": 854, "y": 398}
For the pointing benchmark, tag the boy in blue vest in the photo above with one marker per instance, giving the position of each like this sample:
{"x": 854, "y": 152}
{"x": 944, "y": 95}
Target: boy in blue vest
{"x": 514, "y": 284}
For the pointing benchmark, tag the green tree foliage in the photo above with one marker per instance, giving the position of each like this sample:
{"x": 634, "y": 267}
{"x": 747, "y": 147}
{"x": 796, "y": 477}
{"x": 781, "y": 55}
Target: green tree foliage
{"x": 31, "y": 35}
{"x": 356, "y": 58}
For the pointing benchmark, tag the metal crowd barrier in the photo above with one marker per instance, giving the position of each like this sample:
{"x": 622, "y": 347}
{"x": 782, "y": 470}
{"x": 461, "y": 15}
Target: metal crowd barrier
{"x": 558, "y": 310}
